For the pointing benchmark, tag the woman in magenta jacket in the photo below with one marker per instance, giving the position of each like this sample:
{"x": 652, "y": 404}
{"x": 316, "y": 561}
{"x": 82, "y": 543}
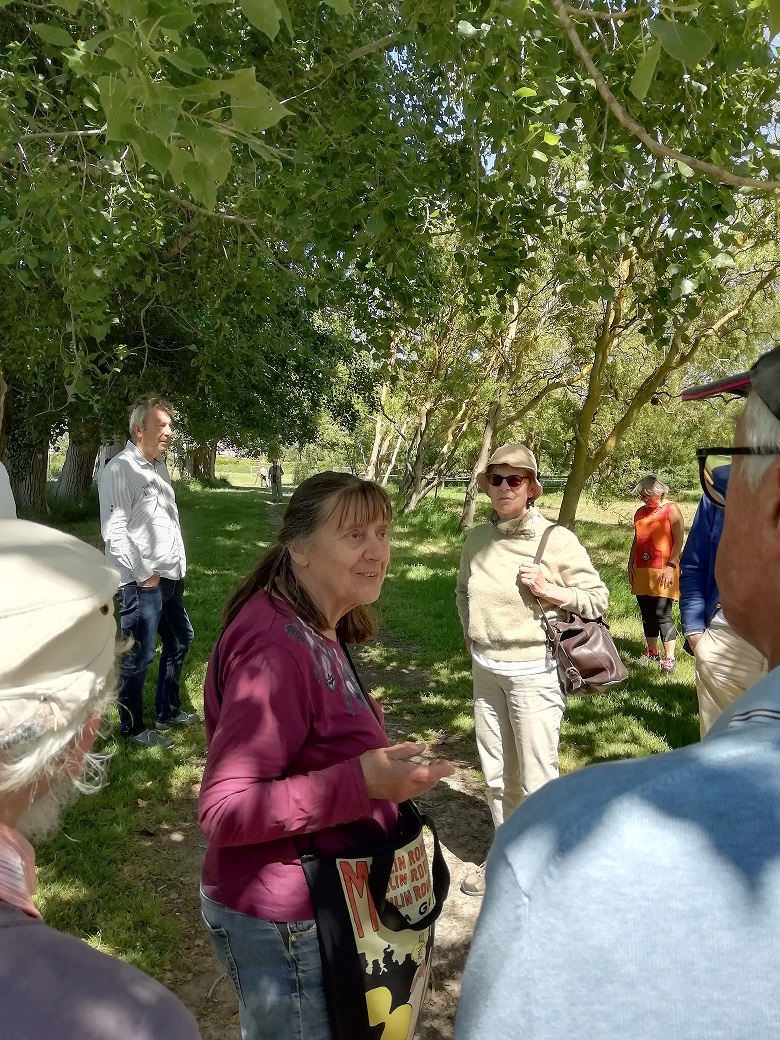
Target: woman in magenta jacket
{"x": 295, "y": 748}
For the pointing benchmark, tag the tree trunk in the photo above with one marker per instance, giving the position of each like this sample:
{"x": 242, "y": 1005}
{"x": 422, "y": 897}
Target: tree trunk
{"x": 582, "y": 464}
{"x": 470, "y": 499}
{"x": 392, "y": 461}
{"x": 27, "y": 463}
{"x": 75, "y": 479}
{"x": 414, "y": 485}
{"x": 5, "y": 415}
{"x": 371, "y": 468}
{"x": 572, "y": 492}
{"x": 204, "y": 460}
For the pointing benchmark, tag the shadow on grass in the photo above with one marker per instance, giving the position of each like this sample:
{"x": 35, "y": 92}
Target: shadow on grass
{"x": 104, "y": 877}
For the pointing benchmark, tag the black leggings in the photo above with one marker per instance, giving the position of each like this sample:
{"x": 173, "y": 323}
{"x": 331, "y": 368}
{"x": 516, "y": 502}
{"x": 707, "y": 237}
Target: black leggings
{"x": 657, "y": 617}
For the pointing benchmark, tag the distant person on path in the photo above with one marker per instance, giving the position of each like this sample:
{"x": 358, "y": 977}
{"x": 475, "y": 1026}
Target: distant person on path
{"x": 262, "y": 476}
{"x": 275, "y": 474}
{"x": 726, "y": 665}
{"x": 57, "y": 654}
{"x": 641, "y": 899}
{"x": 140, "y": 525}
{"x": 7, "y": 503}
{"x": 654, "y": 568}
{"x": 295, "y": 748}
{"x": 518, "y": 701}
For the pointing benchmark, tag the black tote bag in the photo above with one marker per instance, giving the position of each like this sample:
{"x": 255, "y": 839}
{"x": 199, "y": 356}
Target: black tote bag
{"x": 375, "y": 910}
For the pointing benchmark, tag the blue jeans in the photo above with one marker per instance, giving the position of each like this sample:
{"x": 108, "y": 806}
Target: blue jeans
{"x": 143, "y": 613}
{"x": 277, "y": 972}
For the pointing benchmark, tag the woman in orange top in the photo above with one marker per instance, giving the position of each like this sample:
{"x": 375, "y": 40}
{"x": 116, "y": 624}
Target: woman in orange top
{"x": 654, "y": 568}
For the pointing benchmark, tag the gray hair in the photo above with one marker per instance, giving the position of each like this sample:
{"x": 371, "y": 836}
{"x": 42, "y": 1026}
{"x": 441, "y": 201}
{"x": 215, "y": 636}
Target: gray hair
{"x": 651, "y": 485}
{"x": 139, "y": 412}
{"x": 762, "y": 430}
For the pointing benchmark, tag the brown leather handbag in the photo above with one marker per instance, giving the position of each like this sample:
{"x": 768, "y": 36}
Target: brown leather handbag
{"x": 586, "y": 657}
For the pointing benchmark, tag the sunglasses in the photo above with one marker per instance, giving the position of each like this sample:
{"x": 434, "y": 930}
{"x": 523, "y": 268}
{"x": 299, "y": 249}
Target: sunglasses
{"x": 712, "y": 459}
{"x": 514, "y": 480}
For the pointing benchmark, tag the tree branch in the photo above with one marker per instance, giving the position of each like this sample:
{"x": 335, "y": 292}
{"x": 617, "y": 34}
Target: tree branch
{"x": 606, "y": 16}
{"x": 61, "y": 135}
{"x": 329, "y": 67}
{"x": 661, "y": 151}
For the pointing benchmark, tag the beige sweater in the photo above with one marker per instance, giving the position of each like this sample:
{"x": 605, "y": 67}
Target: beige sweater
{"x": 497, "y": 612}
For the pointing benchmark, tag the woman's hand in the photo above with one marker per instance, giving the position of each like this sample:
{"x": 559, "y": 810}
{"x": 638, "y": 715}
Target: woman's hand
{"x": 532, "y": 577}
{"x": 390, "y": 776}
{"x": 667, "y": 576}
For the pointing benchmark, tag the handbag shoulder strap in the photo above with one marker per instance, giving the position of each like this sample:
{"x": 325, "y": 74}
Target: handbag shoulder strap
{"x": 537, "y": 560}
{"x": 543, "y": 543}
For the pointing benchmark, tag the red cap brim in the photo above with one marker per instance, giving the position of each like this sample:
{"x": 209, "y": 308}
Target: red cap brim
{"x": 738, "y": 384}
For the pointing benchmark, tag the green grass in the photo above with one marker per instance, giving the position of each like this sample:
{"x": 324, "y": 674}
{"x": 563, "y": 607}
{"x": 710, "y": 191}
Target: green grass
{"x": 108, "y": 878}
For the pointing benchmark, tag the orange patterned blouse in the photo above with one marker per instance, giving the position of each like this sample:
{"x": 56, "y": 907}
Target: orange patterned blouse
{"x": 652, "y": 549}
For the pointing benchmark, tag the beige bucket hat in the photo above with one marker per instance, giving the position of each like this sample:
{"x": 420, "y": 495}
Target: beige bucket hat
{"x": 519, "y": 457}
{"x": 57, "y": 628}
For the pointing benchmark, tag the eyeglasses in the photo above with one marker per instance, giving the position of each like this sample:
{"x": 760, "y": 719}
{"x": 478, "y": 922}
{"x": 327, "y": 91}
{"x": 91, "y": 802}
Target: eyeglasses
{"x": 713, "y": 460}
{"x": 514, "y": 480}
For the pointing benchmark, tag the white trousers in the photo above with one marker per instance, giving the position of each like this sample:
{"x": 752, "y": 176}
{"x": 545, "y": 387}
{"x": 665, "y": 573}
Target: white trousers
{"x": 517, "y": 721}
{"x": 726, "y": 666}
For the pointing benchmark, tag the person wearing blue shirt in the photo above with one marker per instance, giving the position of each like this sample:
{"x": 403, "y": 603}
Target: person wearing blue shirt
{"x": 641, "y": 899}
{"x": 726, "y": 665}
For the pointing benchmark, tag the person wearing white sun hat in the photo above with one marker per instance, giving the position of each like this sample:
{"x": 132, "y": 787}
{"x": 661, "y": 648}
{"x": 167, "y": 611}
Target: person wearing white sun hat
{"x": 518, "y": 701}
{"x": 57, "y": 656}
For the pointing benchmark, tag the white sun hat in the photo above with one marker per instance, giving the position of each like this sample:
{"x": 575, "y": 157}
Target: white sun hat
{"x": 57, "y": 628}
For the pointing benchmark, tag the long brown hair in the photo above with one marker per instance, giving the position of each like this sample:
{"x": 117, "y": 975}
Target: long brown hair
{"x": 315, "y": 500}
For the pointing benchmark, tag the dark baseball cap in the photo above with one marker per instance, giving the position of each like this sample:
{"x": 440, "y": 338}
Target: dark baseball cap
{"x": 763, "y": 377}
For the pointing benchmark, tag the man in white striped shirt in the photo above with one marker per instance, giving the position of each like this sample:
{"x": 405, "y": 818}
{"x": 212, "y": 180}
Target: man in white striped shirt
{"x": 140, "y": 525}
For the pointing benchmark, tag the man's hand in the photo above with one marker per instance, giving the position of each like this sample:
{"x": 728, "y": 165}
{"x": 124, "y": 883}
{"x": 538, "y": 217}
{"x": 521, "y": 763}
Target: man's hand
{"x": 390, "y": 776}
{"x": 150, "y": 583}
{"x": 693, "y": 638}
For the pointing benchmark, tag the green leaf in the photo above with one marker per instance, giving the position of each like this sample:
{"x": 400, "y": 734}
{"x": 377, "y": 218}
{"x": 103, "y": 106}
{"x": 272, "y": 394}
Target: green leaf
{"x": 53, "y": 34}
{"x": 150, "y": 149}
{"x": 160, "y": 120}
{"x": 284, "y": 11}
{"x": 645, "y": 70}
{"x": 187, "y": 59}
{"x": 376, "y": 223}
{"x": 179, "y": 161}
{"x": 525, "y": 92}
{"x": 340, "y": 6}
{"x": 200, "y": 182}
{"x": 8, "y": 256}
{"x": 551, "y": 138}
{"x": 253, "y": 106}
{"x": 684, "y": 42}
{"x": 264, "y": 15}
{"x": 119, "y": 107}
{"x": 207, "y": 141}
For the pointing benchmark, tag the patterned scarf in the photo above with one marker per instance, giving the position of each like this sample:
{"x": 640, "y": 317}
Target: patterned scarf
{"x": 17, "y": 870}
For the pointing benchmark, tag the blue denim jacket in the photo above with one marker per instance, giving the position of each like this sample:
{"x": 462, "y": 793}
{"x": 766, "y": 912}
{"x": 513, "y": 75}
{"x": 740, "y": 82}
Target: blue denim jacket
{"x": 699, "y": 596}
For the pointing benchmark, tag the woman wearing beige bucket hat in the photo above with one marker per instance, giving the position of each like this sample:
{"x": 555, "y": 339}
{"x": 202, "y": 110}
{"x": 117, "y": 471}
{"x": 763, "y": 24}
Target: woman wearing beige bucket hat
{"x": 518, "y": 702}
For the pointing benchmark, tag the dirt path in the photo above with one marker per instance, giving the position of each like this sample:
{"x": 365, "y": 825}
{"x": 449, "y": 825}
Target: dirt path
{"x": 465, "y": 830}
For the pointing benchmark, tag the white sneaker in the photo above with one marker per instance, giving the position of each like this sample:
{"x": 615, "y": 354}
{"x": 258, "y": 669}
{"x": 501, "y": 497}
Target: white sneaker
{"x": 473, "y": 884}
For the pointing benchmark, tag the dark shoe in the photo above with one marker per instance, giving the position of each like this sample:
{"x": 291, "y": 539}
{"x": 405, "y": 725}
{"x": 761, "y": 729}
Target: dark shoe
{"x": 184, "y": 718}
{"x": 473, "y": 884}
{"x": 148, "y": 738}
